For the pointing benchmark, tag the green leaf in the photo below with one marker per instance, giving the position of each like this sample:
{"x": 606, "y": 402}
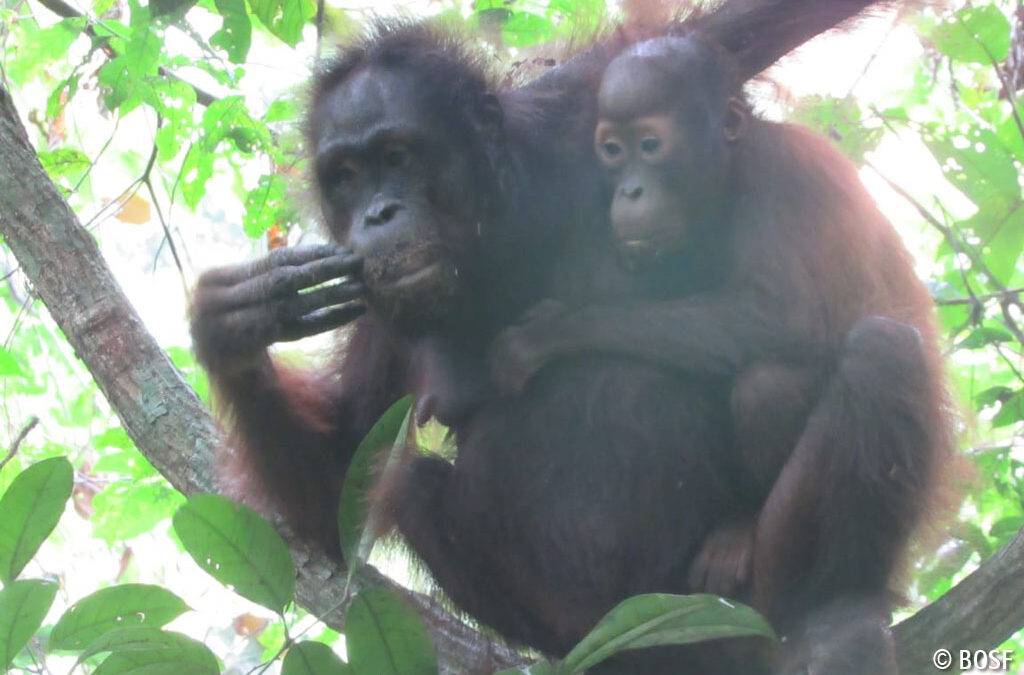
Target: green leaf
{"x": 141, "y": 649}
{"x": 984, "y": 336}
{"x": 10, "y": 364}
{"x": 266, "y": 206}
{"x": 63, "y": 162}
{"x": 385, "y": 636}
{"x": 661, "y": 619}
{"x": 388, "y": 432}
{"x": 23, "y": 606}
{"x": 284, "y": 18}
{"x": 1011, "y": 411}
{"x": 225, "y": 119}
{"x": 36, "y": 47}
{"x": 523, "y": 29}
{"x": 126, "y": 78}
{"x": 974, "y": 35}
{"x": 1006, "y": 528}
{"x": 235, "y": 34}
{"x": 978, "y": 164}
{"x": 238, "y": 548}
{"x": 1003, "y": 250}
{"x": 188, "y": 656}
{"x": 31, "y": 508}
{"x": 115, "y": 607}
{"x": 840, "y": 119}
{"x": 282, "y": 110}
{"x": 313, "y": 658}
{"x": 128, "y": 508}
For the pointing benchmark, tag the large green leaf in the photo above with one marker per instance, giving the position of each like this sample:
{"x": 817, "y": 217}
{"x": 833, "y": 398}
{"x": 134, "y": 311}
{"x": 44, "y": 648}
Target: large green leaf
{"x": 385, "y": 636}
{"x": 23, "y": 606}
{"x": 115, "y": 607}
{"x": 189, "y": 656}
{"x": 389, "y": 432}
{"x": 313, "y": 658}
{"x": 975, "y": 35}
{"x": 31, "y": 508}
{"x": 141, "y": 650}
{"x": 238, "y": 548}
{"x": 235, "y": 34}
{"x": 661, "y": 619}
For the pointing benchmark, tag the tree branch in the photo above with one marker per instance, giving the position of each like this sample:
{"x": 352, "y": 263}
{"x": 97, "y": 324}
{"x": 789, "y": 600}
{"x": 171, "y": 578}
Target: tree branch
{"x": 981, "y": 612}
{"x": 161, "y": 413}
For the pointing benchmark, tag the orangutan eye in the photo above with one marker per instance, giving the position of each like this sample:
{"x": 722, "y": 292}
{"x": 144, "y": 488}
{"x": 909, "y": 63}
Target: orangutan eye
{"x": 650, "y": 145}
{"x": 612, "y": 149}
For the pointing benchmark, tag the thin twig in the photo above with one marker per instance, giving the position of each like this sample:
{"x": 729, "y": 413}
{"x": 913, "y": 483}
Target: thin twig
{"x": 1013, "y": 292}
{"x": 13, "y": 450}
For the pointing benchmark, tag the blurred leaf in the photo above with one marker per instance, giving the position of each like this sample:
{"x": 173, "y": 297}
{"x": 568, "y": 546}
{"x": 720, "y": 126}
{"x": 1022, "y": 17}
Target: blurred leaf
{"x": 313, "y": 658}
{"x": 267, "y": 206}
{"x": 975, "y": 35}
{"x": 114, "y": 607}
{"x": 284, "y": 18}
{"x": 23, "y": 606}
{"x": 125, "y": 79}
{"x": 226, "y": 119}
{"x": 36, "y": 47}
{"x": 126, "y": 509}
{"x": 661, "y": 619}
{"x": 31, "y": 508}
{"x": 238, "y": 548}
{"x": 978, "y": 164}
{"x": 282, "y": 110}
{"x": 385, "y": 636}
{"x": 10, "y": 364}
{"x": 984, "y": 336}
{"x": 1006, "y": 529}
{"x": 523, "y": 29}
{"x": 1011, "y": 411}
{"x": 840, "y": 120}
{"x": 1004, "y": 248}
{"x": 388, "y": 432}
{"x": 235, "y": 34}
{"x": 63, "y": 162}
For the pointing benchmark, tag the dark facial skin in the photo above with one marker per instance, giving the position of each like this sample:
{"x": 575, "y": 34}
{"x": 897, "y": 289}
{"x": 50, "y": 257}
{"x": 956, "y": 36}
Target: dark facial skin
{"x": 393, "y": 181}
{"x": 394, "y": 188}
{"x": 668, "y": 155}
